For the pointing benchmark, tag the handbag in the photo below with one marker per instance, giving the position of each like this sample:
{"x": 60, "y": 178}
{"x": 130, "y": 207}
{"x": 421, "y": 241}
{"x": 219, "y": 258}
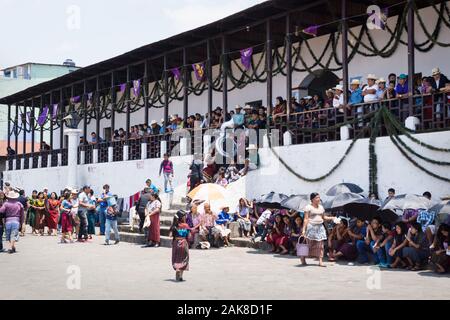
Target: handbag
{"x": 147, "y": 221}
{"x": 302, "y": 247}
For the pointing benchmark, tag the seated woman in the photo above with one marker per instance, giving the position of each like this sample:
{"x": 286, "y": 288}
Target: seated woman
{"x": 338, "y": 237}
{"x": 382, "y": 246}
{"x": 398, "y": 244}
{"x": 418, "y": 250}
{"x": 221, "y": 226}
{"x": 439, "y": 259}
{"x": 242, "y": 216}
{"x": 275, "y": 238}
{"x": 296, "y": 232}
{"x": 207, "y": 224}
{"x": 348, "y": 249}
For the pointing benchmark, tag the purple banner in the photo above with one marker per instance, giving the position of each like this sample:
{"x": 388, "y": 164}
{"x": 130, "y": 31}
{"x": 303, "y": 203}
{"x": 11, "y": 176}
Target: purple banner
{"x": 123, "y": 87}
{"x": 55, "y": 111}
{"x": 76, "y": 99}
{"x": 246, "y": 58}
{"x": 311, "y": 30}
{"x": 199, "y": 71}
{"x": 43, "y": 116}
{"x": 176, "y": 73}
{"x": 136, "y": 87}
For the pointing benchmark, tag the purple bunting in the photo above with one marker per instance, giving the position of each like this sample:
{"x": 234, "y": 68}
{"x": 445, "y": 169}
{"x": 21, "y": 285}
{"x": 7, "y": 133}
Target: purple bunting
{"x": 199, "y": 71}
{"x": 136, "y": 87}
{"x": 76, "y": 99}
{"x": 123, "y": 87}
{"x": 43, "y": 116}
{"x": 246, "y": 58}
{"x": 176, "y": 73}
{"x": 311, "y": 30}
{"x": 55, "y": 111}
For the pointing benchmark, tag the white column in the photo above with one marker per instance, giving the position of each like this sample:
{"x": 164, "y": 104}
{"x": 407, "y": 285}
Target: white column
{"x": 14, "y": 164}
{"x": 411, "y": 123}
{"x": 39, "y": 162}
{"x": 143, "y": 151}
{"x": 125, "y": 153}
{"x": 110, "y": 154}
{"x": 287, "y": 138}
{"x": 49, "y": 161}
{"x": 22, "y": 163}
{"x": 266, "y": 141}
{"x": 207, "y": 143}
{"x": 59, "y": 159}
{"x": 95, "y": 155}
{"x": 82, "y": 157}
{"x": 163, "y": 148}
{"x": 183, "y": 146}
{"x": 30, "y": 162}
{"x": 72, "y": 156}
{"x": 345, "y": 132}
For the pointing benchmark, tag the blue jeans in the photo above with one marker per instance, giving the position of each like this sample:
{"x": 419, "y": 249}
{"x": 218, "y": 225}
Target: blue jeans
{"x": 12, "y": 231}
{"x": 101, "y": 219}
{"x": 111, "y": 224}
{"x": 365, "y": 249}
{"x": 383, "y": 253}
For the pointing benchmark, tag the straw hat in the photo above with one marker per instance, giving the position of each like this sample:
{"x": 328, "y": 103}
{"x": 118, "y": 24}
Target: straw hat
{"x": 238, "y": 107}
{"x": 435, "y": 71}
{"x": 153, "y": 122}
{"x": 12, "y": 195}
{"x": 252, "y": 147}
{"x": 355, "y": 81}
{"x": 248, "y": 107}
{"x": 74, "y": 191}
{"x": 371, "y": 76}
{"x": 339, "y": 87}
{"x": 381, "y": 80}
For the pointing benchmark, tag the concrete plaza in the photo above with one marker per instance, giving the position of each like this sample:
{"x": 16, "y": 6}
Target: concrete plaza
{"x": 45, "y": 269}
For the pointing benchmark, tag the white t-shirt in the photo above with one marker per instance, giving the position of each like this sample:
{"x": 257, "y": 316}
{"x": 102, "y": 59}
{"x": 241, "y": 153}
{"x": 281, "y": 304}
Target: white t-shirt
{"x": 371, "y": 97}
{"x": 338, "y": 102}
{"x": 263, "y": 217}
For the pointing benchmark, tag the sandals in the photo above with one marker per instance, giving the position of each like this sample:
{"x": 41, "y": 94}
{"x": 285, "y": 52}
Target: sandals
{"x": 178, "y": 276}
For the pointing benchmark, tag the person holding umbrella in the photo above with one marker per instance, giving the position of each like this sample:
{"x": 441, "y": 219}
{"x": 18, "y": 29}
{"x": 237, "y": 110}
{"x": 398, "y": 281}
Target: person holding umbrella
{"x": 313, "y": 228}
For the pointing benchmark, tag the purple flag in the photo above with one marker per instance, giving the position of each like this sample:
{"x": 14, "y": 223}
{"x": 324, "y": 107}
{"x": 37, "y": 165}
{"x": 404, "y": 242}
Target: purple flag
{"x": 136, "y": 87}
{"x": 43, "y": 116}
{"x": 176, "y": 73}
{"x": 199, "y": 71}
{"x": 311, "y": 30}
{"x": 55, "y": 111}
{"x": 123, "y": 87}
{"x": 246, "y": 58}
{"x": 76, "y": 99}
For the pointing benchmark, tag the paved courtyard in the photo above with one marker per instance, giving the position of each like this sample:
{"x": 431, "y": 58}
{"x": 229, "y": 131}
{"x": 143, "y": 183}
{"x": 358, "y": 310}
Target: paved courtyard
{"x": 43, "y": 269}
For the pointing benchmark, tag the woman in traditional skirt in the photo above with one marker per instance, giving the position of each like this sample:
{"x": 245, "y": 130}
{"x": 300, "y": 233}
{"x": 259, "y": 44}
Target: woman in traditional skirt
{"x": 66, "y": 218}
{"x": 314, "y": 230}
{"x": 39, "y": 207}
{"x": 440, "y": 260}
{"x": 31, "y": 219}
{"x": 53, "y": 214}
{"x": 180, "y": 246}
{"x": 153, "y": 209}
{"x": 210, "y": 168}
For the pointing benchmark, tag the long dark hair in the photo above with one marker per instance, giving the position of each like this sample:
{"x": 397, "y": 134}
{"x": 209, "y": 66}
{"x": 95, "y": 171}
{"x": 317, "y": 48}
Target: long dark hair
{"x": 176, "y": 221}
{"x": 439, "y": 236}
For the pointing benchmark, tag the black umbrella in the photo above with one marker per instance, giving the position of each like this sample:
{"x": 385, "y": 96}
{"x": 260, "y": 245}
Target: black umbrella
{"x": 296, "y": 202}
{"x": 388, "y": 215}
{"x": 341, "y": 200}
{"x": 364, "y": 209}
{"x": 407, "y": 201}
{"x": 344, "y": 188}
{"x": 271, "y": 200}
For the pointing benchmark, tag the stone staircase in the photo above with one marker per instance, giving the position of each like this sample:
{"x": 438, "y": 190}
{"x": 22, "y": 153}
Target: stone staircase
{"x": 132, "y": 235}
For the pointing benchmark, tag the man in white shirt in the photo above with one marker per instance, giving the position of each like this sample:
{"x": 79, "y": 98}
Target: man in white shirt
{"x": 338, "y": 100}
{"x": 370, "y": 91}
{"x": 261, "y": 226}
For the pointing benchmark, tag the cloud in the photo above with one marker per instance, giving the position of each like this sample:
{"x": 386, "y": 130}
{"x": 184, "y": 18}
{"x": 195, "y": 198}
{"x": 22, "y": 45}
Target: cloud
{"x": 192, "y": 14}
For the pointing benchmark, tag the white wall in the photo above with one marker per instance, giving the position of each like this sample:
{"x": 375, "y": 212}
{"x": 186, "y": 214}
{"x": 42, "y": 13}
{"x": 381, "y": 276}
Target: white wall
{"x": 310, "y": 160}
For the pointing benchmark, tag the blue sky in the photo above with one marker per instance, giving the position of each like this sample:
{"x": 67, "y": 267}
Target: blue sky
{"x": 88, "y": 31}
